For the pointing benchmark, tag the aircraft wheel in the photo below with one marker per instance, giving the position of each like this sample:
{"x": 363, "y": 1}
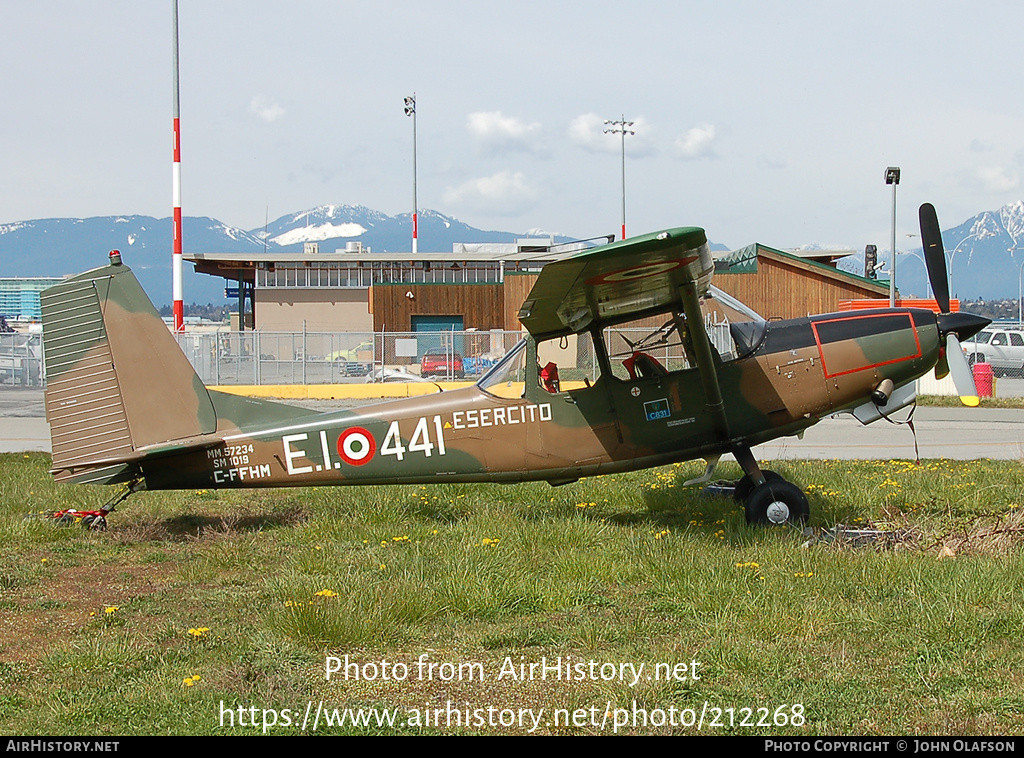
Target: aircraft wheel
{"x": 776, "y": 503}
{"x": 95, "y": 523}
{"x": 746, "y": 485}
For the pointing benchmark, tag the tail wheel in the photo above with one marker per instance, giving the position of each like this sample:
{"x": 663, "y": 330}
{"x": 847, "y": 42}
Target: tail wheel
{"x": 777, "y": 503}
{"x": 746, "y": 485}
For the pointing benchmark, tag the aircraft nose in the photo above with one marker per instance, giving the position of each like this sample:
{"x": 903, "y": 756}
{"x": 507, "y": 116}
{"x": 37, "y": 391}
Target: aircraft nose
{"x": 963, "y": 325}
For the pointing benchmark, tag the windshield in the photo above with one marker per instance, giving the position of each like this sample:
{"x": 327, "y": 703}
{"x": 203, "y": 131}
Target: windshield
{"x": 507, "y": 378}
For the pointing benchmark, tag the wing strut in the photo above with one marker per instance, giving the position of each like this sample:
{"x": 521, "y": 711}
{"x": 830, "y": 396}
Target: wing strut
{"x": 705, "y": 359}
{"x": 709, "y": 378}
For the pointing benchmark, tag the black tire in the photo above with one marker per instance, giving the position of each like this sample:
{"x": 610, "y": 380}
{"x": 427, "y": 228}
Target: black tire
{"x": 746, "y": 485}
{"x": 777, "y": 503}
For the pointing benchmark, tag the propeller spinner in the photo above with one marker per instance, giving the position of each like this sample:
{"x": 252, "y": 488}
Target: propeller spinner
{"x": 953, "y": 327}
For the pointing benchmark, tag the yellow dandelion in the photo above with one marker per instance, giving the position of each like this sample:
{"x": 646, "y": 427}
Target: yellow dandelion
{"x": 326, "y": 593}
{"x": 111, "y": 609}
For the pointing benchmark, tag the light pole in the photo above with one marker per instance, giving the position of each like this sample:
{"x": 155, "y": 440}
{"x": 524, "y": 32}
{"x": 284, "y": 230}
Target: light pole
{"x": 927, "y": 276}
{"x": 621, "y": 127}
{"x": 952, "y": 256}
{"x": 892, "y": 176}
{"x": 1020, "y": 288}
{"x": 1020, "y": 295}
{"x": 923, "y": 263}
{"x": 410, "y": 110}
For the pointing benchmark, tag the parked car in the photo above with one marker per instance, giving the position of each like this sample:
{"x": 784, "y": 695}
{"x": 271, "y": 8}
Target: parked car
{"x": 361, "y": 352}
{"x": 1003, "y": 349}
{"x": 442, "y": 363}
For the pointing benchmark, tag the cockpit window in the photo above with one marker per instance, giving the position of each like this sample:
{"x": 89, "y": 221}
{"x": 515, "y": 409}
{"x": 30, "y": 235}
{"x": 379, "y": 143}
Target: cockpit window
{"x": 567, "y": 363}
{"x": 654, "y": 346}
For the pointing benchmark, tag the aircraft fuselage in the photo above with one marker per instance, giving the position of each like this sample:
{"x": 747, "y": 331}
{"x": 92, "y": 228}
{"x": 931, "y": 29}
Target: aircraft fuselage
{"x": 794, "y": 373}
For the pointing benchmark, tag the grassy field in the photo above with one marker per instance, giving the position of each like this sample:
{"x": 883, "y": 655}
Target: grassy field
{"x": 202, "y": 608}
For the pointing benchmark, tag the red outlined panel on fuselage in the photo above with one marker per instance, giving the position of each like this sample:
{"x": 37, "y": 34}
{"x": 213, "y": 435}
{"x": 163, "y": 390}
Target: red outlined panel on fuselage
{"x": 845, "y": 343}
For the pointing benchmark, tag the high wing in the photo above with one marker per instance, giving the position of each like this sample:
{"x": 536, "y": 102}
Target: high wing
{"x": 642, "y": 276}
{"x": 620, "y": 282}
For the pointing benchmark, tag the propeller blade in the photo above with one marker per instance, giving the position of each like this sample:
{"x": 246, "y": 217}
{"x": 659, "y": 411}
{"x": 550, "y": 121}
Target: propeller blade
{"x": 934, "y": 255}
{"x": 942, "y": 366}
{"x": 962, "y": 377}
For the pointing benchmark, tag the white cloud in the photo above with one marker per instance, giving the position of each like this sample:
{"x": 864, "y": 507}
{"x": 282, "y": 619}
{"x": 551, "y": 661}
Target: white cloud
{"x": 505, "y": 193}
{"x": 697, "y": 143}
{"x": 266, "y": 110}
{"x": 997, "y": 178}
{"x": 588, "y": 131}
{"x": 495, "y": 133}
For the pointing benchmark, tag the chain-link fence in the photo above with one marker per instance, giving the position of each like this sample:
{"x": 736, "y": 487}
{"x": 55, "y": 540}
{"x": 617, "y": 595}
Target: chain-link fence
{"x": 343, "y": 357}
{"x": 21, "y": 360}
{"x": 346, "y": 357}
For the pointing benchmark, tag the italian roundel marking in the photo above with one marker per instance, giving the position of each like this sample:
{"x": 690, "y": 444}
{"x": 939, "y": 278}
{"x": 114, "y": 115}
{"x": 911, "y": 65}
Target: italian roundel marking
{"x": 356, "y": 446}
{"x": 641, "y": 272}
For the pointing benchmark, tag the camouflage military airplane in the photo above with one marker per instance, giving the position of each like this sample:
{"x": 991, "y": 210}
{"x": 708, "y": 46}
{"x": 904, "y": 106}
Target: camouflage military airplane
{"x": 579, "y": 396}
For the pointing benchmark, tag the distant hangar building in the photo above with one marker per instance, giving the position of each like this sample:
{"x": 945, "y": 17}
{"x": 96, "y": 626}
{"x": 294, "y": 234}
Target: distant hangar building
{"x": 19, "y": 297}
{"x": 481, "y": 286}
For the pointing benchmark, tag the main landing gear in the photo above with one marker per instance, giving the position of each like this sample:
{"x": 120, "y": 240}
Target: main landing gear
{"x": 768, "y": 498}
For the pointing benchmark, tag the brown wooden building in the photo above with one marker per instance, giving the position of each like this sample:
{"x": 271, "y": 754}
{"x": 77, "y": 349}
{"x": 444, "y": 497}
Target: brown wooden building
{"x": 778, "y": 284}
{"x": 481, "y": 287}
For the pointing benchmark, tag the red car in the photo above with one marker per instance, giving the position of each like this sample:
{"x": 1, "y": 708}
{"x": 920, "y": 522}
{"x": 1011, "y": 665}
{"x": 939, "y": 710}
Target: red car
{"x": 441, "y": 363}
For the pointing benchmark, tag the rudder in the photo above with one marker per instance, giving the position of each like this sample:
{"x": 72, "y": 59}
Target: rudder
{"x": 116, "y": 379}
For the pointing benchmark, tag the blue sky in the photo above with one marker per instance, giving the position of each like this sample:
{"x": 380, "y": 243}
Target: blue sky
{"x": 763, "y": 121}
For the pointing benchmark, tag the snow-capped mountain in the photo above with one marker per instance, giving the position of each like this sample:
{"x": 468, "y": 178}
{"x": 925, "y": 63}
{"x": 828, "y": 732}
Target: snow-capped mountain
{"x": 61, "y": 246}
{"x": 986, "y": 253}
{"x": 986, "y": 259}
{"x": 332, "y": 226}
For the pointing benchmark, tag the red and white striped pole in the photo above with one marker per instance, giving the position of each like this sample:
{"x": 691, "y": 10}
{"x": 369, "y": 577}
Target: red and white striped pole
{"x": 179, "y": 303}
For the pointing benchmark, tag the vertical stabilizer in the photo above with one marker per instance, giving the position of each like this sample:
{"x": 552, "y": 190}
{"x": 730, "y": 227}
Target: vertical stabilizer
{"x": 116, "y": 380}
